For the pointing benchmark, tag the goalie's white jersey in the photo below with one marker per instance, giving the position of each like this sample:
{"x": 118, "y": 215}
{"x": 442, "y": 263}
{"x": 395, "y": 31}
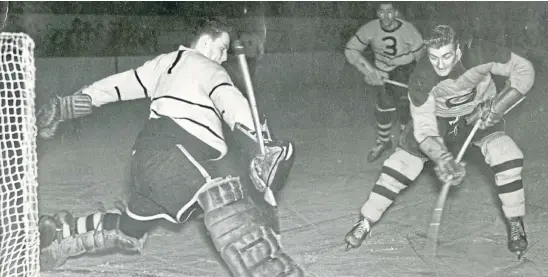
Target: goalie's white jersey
{"x": 184, "y": 85}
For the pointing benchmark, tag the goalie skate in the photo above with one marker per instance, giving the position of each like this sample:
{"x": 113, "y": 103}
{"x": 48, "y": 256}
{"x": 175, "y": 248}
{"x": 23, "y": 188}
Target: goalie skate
{"x": 517, "y": 239}
{"x": 357, "y": 234}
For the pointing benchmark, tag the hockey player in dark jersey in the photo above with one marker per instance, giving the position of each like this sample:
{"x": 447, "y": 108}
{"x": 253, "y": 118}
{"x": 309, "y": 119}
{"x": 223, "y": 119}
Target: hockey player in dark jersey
{"x": 175, "y": 162}
{"x": 450, "y": 90}
{"x": 396, "y": 45}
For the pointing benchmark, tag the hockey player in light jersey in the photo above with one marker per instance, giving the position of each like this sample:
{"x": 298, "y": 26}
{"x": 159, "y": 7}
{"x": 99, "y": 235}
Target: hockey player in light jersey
{"x": 174, "y": 161}
{"x": 449, "y": 91}
{"x": 396, "y": 45}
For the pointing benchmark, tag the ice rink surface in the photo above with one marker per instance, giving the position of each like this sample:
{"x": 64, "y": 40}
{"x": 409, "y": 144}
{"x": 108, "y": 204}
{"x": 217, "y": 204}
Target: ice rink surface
{"x": 328, "y": 184}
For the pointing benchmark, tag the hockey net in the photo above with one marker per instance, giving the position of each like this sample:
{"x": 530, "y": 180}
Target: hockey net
{"x": 19, "y": 234}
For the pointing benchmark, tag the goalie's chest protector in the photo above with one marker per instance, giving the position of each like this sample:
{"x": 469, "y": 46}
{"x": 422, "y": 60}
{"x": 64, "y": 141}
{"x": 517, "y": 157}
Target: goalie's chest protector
{"x": 182, "y": 94}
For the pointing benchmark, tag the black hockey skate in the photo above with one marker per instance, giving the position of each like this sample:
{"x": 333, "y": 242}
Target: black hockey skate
{"x": 357, "y": 234}
{"x": 377, "y": 151}
{"x": 517, "y": 239}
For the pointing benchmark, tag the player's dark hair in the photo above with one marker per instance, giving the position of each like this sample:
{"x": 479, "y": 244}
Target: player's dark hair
{"x": 209, "y": 26}
{"x": 440, "y": 36}
{"x": 395, "y": 5}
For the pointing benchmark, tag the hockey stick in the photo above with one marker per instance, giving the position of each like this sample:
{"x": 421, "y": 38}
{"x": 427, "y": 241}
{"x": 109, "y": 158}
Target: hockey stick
{"x": 434, "y": 227}
{"x": 388, "y": 81}
{"x": 239, "y": 51}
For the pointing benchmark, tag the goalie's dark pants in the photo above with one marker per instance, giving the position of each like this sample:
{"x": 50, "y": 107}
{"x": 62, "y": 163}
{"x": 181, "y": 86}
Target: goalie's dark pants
{"x": 164, "y": 180}
{"x": 402, "y": 168}
{"x": 390, "y": 99}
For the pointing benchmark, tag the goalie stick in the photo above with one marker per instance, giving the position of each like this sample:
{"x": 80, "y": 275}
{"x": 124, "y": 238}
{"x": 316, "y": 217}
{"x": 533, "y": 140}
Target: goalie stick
{"x": 239, "y": 51}
{"x": 434, "y": 227}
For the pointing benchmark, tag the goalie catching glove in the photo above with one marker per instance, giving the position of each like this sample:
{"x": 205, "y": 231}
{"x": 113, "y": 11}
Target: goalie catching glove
{"x": 447, "y": 169}
{"x": 58, "y": 109}
{"x": 268, "y": 171}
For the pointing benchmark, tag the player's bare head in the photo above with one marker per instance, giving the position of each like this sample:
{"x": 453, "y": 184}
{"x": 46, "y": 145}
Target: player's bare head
{"x": 211, "y": 39}
{"x": 442, "y": 45}
{"x": 387, "y": 13}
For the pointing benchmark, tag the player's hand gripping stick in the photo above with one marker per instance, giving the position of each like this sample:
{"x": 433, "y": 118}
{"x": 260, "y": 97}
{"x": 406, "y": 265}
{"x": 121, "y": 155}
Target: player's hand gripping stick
{"x": 434, "y": 227}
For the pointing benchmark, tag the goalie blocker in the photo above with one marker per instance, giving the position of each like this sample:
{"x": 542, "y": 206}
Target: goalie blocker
{"x": 268, "y": 172}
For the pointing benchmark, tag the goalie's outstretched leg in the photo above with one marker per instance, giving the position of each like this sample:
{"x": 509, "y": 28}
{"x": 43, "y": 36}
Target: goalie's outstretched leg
{"x": 63, "y": 236}
{"x": 247, "y": 245}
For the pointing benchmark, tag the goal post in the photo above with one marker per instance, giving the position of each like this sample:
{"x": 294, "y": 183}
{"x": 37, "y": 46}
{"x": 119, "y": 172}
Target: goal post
{"x": 19, "y": 234}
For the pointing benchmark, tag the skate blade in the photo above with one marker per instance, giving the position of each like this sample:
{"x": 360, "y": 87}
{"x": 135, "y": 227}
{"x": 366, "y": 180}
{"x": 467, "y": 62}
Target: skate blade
{"x": 348, "y": 247}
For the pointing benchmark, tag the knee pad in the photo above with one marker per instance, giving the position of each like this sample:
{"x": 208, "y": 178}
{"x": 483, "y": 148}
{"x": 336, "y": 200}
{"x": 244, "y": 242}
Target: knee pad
{"x": 239, "y": 232}
{"x": 498, "y": 148}
{"x": 400, "y": 170}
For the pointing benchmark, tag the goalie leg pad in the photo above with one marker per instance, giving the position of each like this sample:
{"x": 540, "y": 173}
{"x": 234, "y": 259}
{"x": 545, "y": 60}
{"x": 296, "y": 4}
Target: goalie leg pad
{"x": 246, "y": 243}
{"x": 60, "y": 240}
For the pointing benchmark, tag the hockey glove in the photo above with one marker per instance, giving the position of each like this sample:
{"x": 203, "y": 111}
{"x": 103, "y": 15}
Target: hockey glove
{"x": 58, "y": 109}
{"x": 491, "y": 111}
{"x": 484, "y": 113}
{"x": 375, "y": 77}
{"x": 271, "y": 169}
{"x": 447, "y": 169}
{"x": 268, "y": 171}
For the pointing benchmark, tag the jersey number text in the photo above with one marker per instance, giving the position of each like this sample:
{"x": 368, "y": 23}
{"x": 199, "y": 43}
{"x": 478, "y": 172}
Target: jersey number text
{"x": 390, "y": 49}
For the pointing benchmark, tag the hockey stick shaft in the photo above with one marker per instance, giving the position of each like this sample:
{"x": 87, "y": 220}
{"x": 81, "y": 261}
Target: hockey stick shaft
{"x": 388, "y": 81}
{"x": 435, "y": 222}
{"x": 239, "y": 51}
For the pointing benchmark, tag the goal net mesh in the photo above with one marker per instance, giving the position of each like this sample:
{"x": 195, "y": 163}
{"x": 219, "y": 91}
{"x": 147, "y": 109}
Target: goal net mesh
{"x": 19, "y": 237}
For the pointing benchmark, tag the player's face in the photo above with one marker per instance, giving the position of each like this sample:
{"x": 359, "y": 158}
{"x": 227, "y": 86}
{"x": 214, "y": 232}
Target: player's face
{"x": 387, "y": 15}
{"x": 444, "y": 59}
{"x": 217, "y": 48}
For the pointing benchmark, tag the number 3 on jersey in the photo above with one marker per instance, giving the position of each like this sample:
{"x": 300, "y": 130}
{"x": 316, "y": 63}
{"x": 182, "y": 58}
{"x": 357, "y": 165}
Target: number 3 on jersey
{"x": 390, "y": 47}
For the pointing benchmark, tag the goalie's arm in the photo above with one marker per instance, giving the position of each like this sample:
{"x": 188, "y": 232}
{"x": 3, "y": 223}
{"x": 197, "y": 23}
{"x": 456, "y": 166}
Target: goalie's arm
{"x": 229, "y": 101}
{"x": 128, "y": 85}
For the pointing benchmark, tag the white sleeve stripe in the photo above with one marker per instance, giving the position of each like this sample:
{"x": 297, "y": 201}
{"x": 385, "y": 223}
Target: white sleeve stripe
{"x": 118, "y": 93}
{"x": 193, "y": 121}
{"x": 219, "y": 85}
{"x": 179, "y": 54}
{"x": 188, "y": 102}
{"x": 141, "y": 83}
